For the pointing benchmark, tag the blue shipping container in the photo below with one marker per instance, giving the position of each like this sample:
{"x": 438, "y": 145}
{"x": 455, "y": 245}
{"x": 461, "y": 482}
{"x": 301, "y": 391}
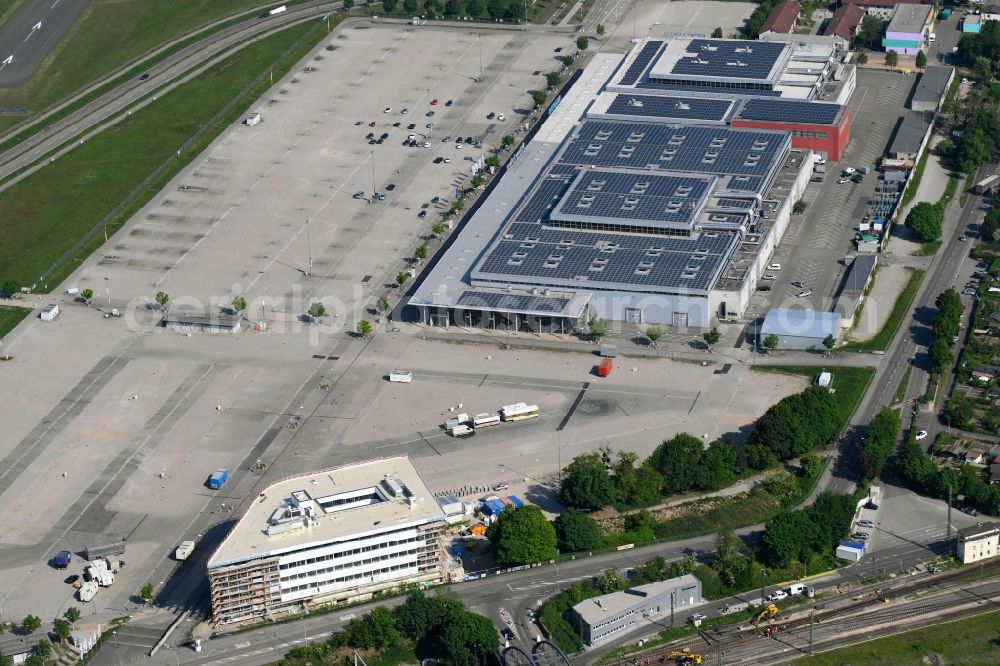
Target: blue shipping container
{"x": 516, "y": 501}
{"x": 216, "y": 480}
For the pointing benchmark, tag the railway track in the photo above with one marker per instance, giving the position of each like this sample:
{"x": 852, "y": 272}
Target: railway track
{"x": 878, "y": 605}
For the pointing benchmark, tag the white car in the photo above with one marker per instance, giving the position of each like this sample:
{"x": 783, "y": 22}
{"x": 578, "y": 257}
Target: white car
{"x": 387, "y": 109}
{"x": 843, "y": 180}
{"x": 777, "y": 595}
{"x": 447, "y": 160}
{"x": 768, "y": 276}
{"x": 803, "y": 294}
{"x": 866, "y": 523}
{"x": 774, "y": 267}
{"x": 921, "y": 434}
{"x": 411, "y": 137}
{"x": 849, "y": 171}
{"x": 501, "y": 117}
{"x": 500, "y": 486}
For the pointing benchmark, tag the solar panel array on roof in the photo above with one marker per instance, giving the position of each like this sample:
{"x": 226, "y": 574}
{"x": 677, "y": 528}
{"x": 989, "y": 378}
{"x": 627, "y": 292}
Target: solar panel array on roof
{"x": 790, "y": 111}
{"x": 638, "y": 66}
{"x": 513, "y": 302}
{"x": 542, "y": 200}
{"x": 634, "y": 197}
{"x": 714, "y": 150}
{"x": 689, "y": 108}
{"x": 698, "y": 86}
{"x": 542, "y": 254}
{"x": 714, "y": 58}
{"x": 735, "y": 203}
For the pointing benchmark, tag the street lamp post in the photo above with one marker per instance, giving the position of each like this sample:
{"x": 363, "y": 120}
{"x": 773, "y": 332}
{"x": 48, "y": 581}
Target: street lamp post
{"x": 309, "y": 249}
{"x": 763, "y": 573}
{"x": 261, "y": 275}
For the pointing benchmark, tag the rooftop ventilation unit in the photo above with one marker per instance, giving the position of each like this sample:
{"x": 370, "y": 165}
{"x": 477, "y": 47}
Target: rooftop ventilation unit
{"x": 393, "y": 488}
{"x": 635, "y": 102}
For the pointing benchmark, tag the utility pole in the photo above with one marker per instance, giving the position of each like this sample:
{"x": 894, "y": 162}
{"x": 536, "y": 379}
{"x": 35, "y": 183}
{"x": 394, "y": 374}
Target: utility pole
{"x": 309, "y": 250}
{"x": 762, "y": 574}
{"x": 261, "y": 275}
{"x": 672, "y": 592}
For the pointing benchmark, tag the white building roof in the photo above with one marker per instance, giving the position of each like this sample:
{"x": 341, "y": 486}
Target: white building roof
{"x": 330, "y": 505}
{"x": 600, "y": 608}
{"x": 801, "y": 323}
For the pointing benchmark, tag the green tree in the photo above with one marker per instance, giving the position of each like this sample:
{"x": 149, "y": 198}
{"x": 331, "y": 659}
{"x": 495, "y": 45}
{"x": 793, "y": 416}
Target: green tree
{"x": 410, "y": 6}
{"x": 31, "y": 623}
{"x": 862, "y": 58}
{"x": 457, "y": 206}
{"x": 609, "y": 581}
{"x": 576, "y": 532}
{"x": 940, "y": 356}
{"x": 720, "y": 463}
{"x": 439, "y": 228}
{"x": 982, "y": 69}
{"x": 600, "y": 30}
{"x": 454, "y": 8}
{"x": 401, "y": 278}
{"x": 586, "y": 483}
{"x": 552, "y": 79}
{"x": 959, "y": 410}
{"x": 731, "y": 557}
{"x": 469, "y": 639}
{"x": 770, "y": 342}
{"x": 829, "y": 342}
{"x": 507, "y": 140}
{"x": 781, "y": 430}
{"x": 11, "y": 287}
{"x": 146, "y": 592}
{"x": 162, "y": 298}
{"x": 43, "y": 649}
{"x": 6, "y": 660}
{"x": 382, "y": 305}
{"x": 493, "y": 160}
{"x": 317, "y": 310}
{"x": 758, "y": 456}
{"x": 799, "y": 207}
{"x": 62, "y": 629}
{"x": 654, "y": 333}
{"x": 945, "y": 148}
{"x": 420, "y": 615}
{"x": 711, "y": 337}
{"x": 717, "y": 33}
{"x": 239, "y": 303}
{"x": 538, "y": 97}
{"x": 869, "y": 33}
{"x": 598, "y": 328}
{"x": 975, "y": 150}
{"x": 567, "y": 60}
{"x": 640, "y": 526}
{"x": 364, "y": 328}
{"x": 921, "y": 60}
{"x": 477, "y": 181}
{"x": 87, "y": 294}
{"x": 476, "y": 7}
{"x": 582, "y": 43}
{"x": 72, "y": 614}
{"x": 782, "y": 486}
{"x": 375, "y": 629}
{"x": 891, "y": 59}
{"x": 421, "y": 252}
{"x": 811, "y": 464}
{"x": 522, "y": 535}
{"x": 389, "y": 6}
{"x": 879, "y": 443}
{"x": 678, "y": 460}
{"x": 786, "y": 538}
{"x": 34, "y": 660}
{"x": 924, "y": 220}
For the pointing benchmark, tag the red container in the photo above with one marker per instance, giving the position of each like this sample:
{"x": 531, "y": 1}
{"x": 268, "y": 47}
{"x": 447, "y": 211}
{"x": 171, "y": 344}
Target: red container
{"x": 605, "y": 368}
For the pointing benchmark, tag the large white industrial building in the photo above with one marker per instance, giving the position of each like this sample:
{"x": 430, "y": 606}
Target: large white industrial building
{"x": 337, "y": 535}
{"x": 638, "y": 199}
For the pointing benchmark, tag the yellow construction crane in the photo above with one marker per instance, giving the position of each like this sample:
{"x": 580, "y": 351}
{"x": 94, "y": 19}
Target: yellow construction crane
{"x": 769, "y": 612}
{"x": 684, "y": 656}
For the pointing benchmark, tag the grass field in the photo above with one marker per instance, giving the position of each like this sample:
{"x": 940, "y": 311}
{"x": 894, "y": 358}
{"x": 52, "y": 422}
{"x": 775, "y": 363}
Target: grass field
{"x": 11, "y": 317}
{"x": 899, "y": 311}
{"x": 108, "y": 34}
{"x": 44, "y": 215}
{"x": 973, "y": 640}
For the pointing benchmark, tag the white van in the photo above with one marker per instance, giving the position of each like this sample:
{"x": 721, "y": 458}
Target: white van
{"x": 401, "y": 376}
{"x": 931, "y": 37}
{"x": 796, "y": 588}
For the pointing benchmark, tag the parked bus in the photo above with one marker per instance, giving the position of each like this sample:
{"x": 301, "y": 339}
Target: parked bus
{"x": 518, "y": 411}
{"x": 485, "y": 421}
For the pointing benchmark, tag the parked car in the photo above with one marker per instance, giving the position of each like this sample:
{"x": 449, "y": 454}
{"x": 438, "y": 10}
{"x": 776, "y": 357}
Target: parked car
{"x": 921, "y": 434}
{"x": 448, "y": 103}
{"x": 763, "y": 287}
{"x": 861, "y": 536}
{"x": 435, "y": 200}
{"x": 849, "y": 171}
{"x": 438, "y": 160}
{"x": 434, "y": 102}
{"x": 396, "y": 124}
{"x": 843, "y": 180}
{"x": 697, "y": 617}
{"x": 500, "y": 486}
{"x": 490, "y": 115}
{"x": 447, "y": 160}
{"x": 501, "y": 117}
{"x": 422, "y": 214}
{"x": 404, "y": 111}
{"x": 777, "y": 595}
{"x": 429, "y": 114}
{"x": 774, "y": 267}
{"x": 387, "y": 109}
{"x": 768, "y": 276}
{"x": 411, "y": 126}
{"x": 866, "y": 523}
{"x": 799, "y": 284}
{"x": 804, "y": 293}
{"x": 390, "y": 187}
{"x": 963, "y": 238}
{"x": 446, "y": 139}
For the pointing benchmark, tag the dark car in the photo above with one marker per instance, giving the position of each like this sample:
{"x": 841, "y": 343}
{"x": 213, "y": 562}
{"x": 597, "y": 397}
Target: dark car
{"x": 390, "y": 187}
{"x": 469, "y": 139}
{"x": 438, "y": 160}
{"x": 448, "y": 103}
{"x": 370, "y": 136}
{"x": 411, "y": 126}
{"x": 144, "y": 76}
{"x": 62, "y": 559}
{"x": 429, "y": 114}
{"x": 71, "y": 579}
{"x": 490, "y": 115}
{"x": 422, "y": 214}
{"x": 385, "y": 135}
{"x": 379, "y": 141}
{"x": 763, "y": 287}
{"x": 436, "y": 199}
{"x": 396, "y": 124}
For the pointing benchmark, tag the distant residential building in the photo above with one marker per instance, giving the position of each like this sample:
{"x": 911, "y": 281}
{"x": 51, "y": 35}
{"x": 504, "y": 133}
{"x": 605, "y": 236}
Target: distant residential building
{"x": 601, "y": 619}
{"x": 979, "y": 542}
{"x": 844, "y": 22}
{"x": 782, "y": 17}
{"x": 908, "y": 29}
{"x": 879, "y": 8}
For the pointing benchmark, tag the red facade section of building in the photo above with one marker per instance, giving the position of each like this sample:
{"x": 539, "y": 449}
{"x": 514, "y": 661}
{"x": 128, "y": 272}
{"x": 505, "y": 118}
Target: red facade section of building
{"x": 830, "y": 140}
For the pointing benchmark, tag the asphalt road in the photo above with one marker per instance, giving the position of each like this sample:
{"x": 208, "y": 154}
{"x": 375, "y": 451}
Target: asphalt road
{"x": 30, "y": 34}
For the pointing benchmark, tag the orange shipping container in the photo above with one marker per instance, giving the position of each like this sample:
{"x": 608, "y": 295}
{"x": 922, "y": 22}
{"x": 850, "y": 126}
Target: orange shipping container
{"x": 605, "y": 368}
{"x": 478, "y": 529}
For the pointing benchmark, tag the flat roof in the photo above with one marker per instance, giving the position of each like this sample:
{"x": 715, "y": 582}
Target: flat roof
{"x": 910, "y": 133}
{"x": 910, "y": 19}
{"x": 801, "y": 323}
{"x": 617, "y": 602}
{"x": 784, "y": 110}
{"x": 337, "y": 503}
{"x": 719, "y": 59}
{"x": 668, "y": 107}
{"x": 933, "y": 83}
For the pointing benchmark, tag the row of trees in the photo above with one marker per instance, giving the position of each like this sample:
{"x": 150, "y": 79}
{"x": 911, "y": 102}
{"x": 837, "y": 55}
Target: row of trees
{"x": 796, "y": 535}
{"x": 438, "y": 626}
{"x": 978, "y": 129}
{"x": 991, "y": 225}
{"x": 946, "y": 326}
{"x": 508, "y": 10}
{"x": 793, "y": 426}
{"x": 879, "y": 443}
{"x": 922, "y": 475}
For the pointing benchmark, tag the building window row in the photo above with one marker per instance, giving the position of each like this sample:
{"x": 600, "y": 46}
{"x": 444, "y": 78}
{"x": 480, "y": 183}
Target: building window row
{"x": 347, "y": 579}
{"x": 341, "y": 567}
{"x": 810, "y": 135}
{"x": 346, "y": 553}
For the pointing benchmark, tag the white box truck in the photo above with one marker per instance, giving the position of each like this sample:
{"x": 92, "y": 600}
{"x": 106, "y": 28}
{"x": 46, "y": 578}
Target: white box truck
{"x": 252, "y": 119}
{"x": 462, "y": 430}
{"x": 183, "y": 550}
{"x": 401, "y": 376}
{"x": 461, "y": 419}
